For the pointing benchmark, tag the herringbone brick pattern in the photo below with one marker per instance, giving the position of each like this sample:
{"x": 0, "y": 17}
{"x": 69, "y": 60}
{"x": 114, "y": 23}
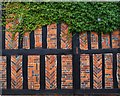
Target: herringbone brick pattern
{"x": 97, "y": 71}
{"x": 66, "y": 39}
{"x": 3, "y": 72}
{"x": 108, "y": 71}
{"x": 67, "y": 79}
{"x": 51, "y": 71}
{"x": 34, "y": 72}
{"x": 16, "y": 72}
{"x": 11, "y": 43}
{"x": 83, "y": 41}
{"x": 85, "y": 71}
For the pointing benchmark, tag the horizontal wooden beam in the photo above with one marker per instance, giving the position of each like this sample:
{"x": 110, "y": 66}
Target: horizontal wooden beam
{"x": 100, "y": 51}
{"x": 42, "y": 51}
{"x": 36, "y": 52}
{"x": 59, "y": 91}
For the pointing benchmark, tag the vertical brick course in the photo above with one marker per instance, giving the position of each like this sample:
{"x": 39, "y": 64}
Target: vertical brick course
{"x": 85, "y": 71}
{"x": 116, "y": 39}
{"x": 108, "y": 71}
{"x": 34, "y": 72}
{"x": 94, "y": 40}
{"x": 105, "y": 41}
{"x": 26, "y": 40}
{"x": 52, "y": 36}
{"x": 38, "y": 38}
{"x": 66, "y": 79}
{"x": 3, "y": 72}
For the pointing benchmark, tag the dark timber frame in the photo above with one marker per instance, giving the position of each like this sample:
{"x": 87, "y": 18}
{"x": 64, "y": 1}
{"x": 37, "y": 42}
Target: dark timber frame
{"x": 75, "y": 52}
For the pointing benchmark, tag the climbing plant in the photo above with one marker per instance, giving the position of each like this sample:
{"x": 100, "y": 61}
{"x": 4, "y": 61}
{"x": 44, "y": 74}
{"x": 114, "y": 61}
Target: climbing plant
{"x": 79, "y": 16}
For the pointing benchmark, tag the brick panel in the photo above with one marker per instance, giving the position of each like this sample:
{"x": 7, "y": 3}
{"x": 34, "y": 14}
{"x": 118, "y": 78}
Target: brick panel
{"x": 34, "y": 72}
{"x": 38, "y": 38}
{"x": 105, "y": 41}
{"x": 67, "y": 79}
{"x": 108, "y": 71}
{"x": 3, "y": 72}
{"x": 8, "y": 37}
{"x": 85, "y": 71}
{"x": 97, "y": 71}
{"x": 83, "y": 41}
{"x": 94, "y": 40}
{"x": 118, "y": 70}
{"x": 26, "y": 41}
{"x": 51, "y": 71}
{"x": 116, "y": 39}
{"x": 52, "y": 36}
{"x": 11, "y": 43}
{"x": 16, "y": 72}
{"x": 66, "y": 39}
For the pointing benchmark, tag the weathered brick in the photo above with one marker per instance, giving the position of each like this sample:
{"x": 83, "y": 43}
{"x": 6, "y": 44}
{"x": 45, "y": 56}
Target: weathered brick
{"x": 94, "y": 40}
{"x": 38, "y": 37}
{"x": 11, "y": 43}
{"x": 66, "y": 79}
{"x": 34, "y": 72}
{"x": 116, "y": 39}
{"x": 105, "y": 41}
{"x": 83, "y": 41}
{"x": 85, "y": 71}
{"x": 3, "y": 72}
{"x": 108, "y": 71}
{"x": 97, "y": 71}
{"x": 16, "y": 72}
{"x": 26, "y": 41}
{"x": 52, "y": 36}
{"x": 51, "y": 71}
{"x": 66, "y": 39}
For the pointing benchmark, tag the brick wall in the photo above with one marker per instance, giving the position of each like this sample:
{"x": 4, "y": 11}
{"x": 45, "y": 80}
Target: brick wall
{"x": 66, "y": 60}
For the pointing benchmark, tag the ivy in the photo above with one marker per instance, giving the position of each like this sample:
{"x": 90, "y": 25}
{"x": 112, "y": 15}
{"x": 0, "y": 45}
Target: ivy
{"x": 79, "y": 16}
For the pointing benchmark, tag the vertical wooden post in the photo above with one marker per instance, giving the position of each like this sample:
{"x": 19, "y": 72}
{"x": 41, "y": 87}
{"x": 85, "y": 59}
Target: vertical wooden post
{"x": 59, "y": 71}
{"x": 115, "y": 83}
{"x": 25, "y": 71}
{"x": 8, "y": 72}
{"x": 91, "y": 59}
{"x": 42, "y": 58}
{"x": 76, "y": 61}
{"x": 32, "y": 40}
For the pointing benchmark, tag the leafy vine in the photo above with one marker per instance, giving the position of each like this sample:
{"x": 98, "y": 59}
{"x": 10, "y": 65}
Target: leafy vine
{"x": 79, "y": 16}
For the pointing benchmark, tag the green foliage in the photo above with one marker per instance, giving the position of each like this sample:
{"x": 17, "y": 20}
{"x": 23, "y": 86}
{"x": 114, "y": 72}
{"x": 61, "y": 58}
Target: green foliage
{"x": 80, "y": 16}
